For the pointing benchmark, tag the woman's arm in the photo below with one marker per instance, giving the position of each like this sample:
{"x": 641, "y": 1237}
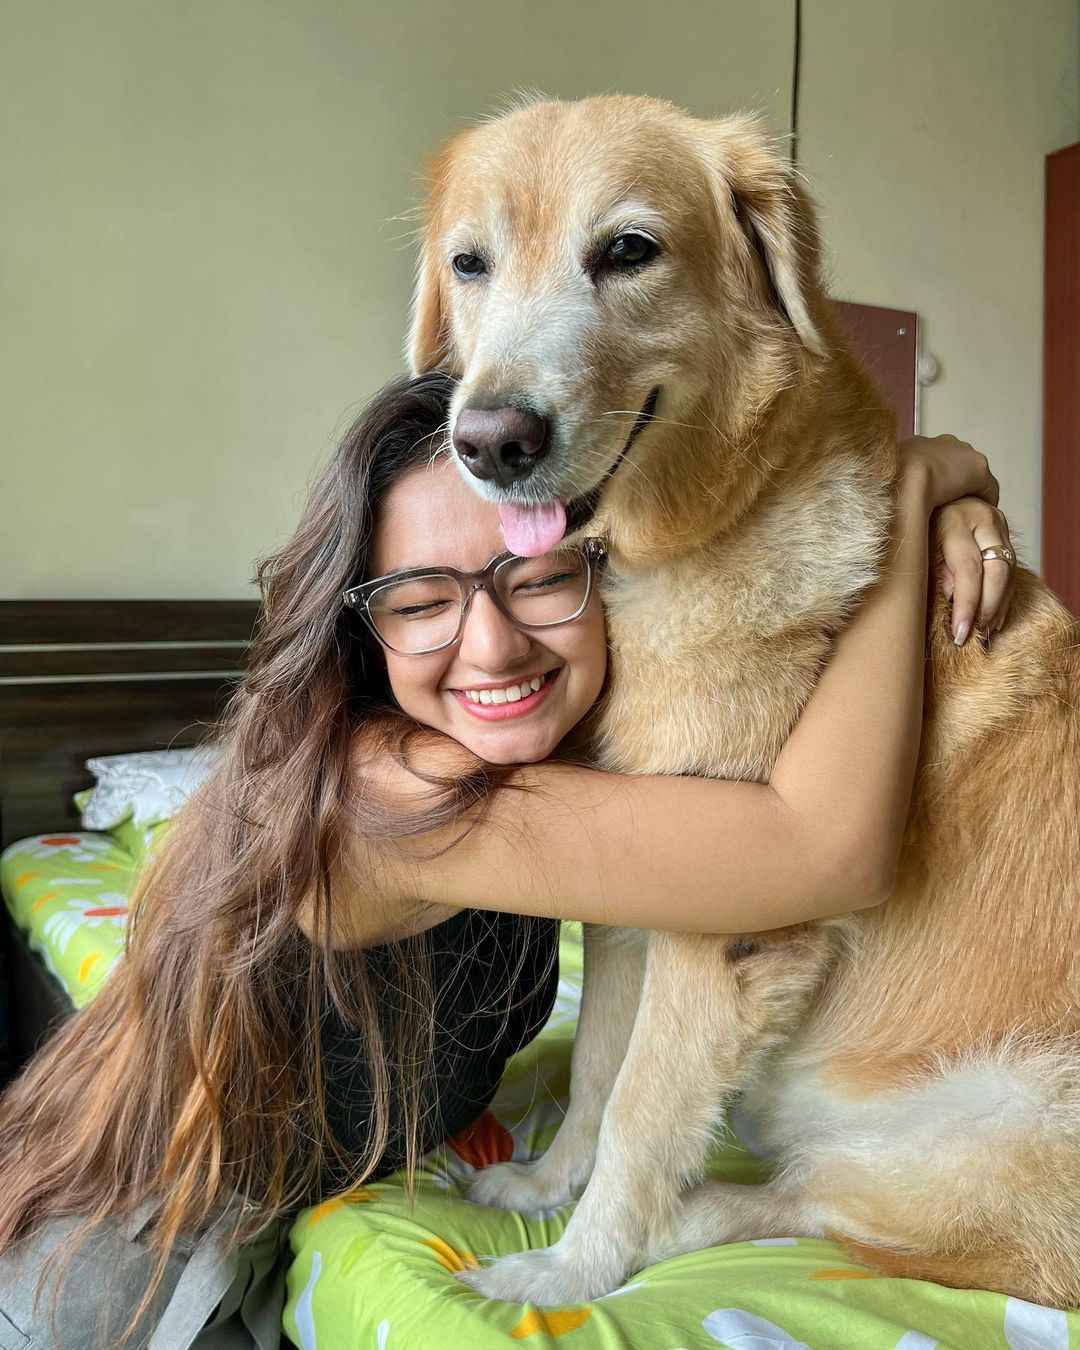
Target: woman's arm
{"x": 821, "y": 837}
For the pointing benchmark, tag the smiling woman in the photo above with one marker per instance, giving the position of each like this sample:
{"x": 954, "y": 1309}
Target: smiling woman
{"x": 438, "y": 558}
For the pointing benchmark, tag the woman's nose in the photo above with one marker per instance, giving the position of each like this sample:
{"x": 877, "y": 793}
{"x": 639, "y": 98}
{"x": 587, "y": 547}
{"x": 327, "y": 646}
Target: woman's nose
{"x": 489, "y": 640}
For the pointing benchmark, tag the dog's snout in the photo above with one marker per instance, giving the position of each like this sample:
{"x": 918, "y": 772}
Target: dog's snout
{"x": 500, "y": 443}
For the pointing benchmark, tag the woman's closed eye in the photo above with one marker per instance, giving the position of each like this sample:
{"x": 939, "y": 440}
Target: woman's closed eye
{"x": 419, "y": 610}
{"x": 414, "y": 600}
{"x": 545, "y": 583}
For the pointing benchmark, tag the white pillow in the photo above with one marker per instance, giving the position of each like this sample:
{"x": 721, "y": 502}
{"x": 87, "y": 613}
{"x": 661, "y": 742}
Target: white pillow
{"x": 149, "y": 786}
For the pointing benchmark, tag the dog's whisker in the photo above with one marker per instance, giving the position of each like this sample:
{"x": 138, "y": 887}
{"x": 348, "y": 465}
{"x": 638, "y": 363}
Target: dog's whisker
{"x": 659, "y": 421}
{"x": 592, "y": 456}
{"x": 690, "y": 426}
{"x": 444, "y": 448}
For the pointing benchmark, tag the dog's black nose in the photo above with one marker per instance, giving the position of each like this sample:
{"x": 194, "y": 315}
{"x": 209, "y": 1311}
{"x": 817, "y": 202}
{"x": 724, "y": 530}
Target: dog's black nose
{"x": 500, "y": 443}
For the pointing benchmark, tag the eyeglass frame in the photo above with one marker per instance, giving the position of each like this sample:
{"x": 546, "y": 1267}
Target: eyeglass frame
{"x": 358, "y": 598}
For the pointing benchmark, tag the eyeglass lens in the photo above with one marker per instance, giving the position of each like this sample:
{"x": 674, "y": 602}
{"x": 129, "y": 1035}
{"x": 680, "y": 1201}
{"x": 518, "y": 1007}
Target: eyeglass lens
{"x": 423, "y": 613}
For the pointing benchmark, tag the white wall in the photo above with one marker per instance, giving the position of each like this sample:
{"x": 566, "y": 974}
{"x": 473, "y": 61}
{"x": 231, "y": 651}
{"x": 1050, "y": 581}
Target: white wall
{"x": 205, "y": 273}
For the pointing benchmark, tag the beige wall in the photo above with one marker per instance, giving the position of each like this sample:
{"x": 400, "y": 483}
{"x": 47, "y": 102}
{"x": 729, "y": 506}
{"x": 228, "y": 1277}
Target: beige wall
{"x": 204, "y": 273}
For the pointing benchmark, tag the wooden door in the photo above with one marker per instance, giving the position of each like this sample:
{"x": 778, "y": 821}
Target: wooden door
{"x": 1061, "y": 378}
{"x": 886, "y": 343}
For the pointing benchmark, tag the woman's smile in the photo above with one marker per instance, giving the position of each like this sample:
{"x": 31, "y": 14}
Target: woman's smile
{"x": 513, "y": 698}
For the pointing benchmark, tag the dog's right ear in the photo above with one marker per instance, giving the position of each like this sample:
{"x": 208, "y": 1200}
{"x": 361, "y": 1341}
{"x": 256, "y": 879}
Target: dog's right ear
{"x": 429, "y": 345}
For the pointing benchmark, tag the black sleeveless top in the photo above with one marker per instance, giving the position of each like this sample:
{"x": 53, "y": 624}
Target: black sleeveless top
{"x": 494, "y": 978}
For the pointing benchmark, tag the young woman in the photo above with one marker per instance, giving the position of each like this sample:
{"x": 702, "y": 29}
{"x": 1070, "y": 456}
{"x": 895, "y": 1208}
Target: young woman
{"x": 354, "y": 923}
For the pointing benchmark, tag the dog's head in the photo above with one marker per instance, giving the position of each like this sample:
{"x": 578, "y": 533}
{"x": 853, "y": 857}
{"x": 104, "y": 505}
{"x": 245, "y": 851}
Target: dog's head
{"x": 609, "y": 280}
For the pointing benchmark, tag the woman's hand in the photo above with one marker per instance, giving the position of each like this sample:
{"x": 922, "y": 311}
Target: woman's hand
{"x": 405, "y": 778}
{"x": 955, "y": 477}
{"x": 980, "y": 588}
{"x": 947, "y": 469}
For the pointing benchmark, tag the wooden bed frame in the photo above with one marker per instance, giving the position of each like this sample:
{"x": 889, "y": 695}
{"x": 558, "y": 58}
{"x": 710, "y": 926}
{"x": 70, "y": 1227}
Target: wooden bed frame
{"x": 80, "y": 678}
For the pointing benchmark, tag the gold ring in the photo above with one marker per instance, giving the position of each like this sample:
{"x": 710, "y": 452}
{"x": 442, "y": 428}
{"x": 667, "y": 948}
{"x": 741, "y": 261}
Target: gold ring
{"x": 1002, "y": 552}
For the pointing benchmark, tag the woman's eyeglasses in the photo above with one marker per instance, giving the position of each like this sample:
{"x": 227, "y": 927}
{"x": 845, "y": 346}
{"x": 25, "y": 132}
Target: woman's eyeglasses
{"x": 424, "y": 610}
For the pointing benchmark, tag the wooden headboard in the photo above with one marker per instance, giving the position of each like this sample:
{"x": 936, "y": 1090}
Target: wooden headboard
{"x": 96, "y": 677}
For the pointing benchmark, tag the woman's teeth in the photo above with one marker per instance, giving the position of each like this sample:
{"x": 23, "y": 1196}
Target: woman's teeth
{"x": 513, "y": 693}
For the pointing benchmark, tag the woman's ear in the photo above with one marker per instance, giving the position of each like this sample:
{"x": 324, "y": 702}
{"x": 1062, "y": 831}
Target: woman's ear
{"x": 776, "y": 216}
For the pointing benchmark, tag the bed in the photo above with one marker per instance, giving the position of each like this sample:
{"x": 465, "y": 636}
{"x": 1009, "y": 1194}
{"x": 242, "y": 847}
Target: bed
{"x": 81, "y": 680}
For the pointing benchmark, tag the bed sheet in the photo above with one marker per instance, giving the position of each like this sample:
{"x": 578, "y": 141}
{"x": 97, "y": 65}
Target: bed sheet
{"x": 68, "y": 893}
{"x": 369, "y": 1271}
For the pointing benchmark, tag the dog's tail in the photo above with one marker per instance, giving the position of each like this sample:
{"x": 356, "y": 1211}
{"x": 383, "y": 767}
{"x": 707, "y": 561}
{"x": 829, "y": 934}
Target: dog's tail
{"x": 1048, "y": 1277}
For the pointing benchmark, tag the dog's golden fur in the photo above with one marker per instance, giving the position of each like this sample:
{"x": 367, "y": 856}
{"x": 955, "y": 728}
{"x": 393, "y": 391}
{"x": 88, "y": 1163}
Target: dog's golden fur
{"x": 913, "y": 1070}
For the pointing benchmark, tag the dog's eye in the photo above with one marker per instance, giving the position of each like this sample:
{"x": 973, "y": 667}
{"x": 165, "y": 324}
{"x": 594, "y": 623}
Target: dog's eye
{"x": 469, "y": 265}
{"x": 629, "y": 250}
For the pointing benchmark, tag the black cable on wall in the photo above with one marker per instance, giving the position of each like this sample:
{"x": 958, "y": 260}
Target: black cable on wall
{"x": 796, "y": 68}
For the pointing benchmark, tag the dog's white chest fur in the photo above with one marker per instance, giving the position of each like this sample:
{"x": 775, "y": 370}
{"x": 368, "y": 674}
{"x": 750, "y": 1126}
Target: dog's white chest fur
{"x": 747, "y": 620}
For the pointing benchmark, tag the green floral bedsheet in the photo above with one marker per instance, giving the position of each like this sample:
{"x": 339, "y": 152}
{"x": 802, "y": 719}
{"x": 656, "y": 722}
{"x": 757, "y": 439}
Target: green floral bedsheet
{"x": 68, "y": 895}
{"x": 369, "y": 1272}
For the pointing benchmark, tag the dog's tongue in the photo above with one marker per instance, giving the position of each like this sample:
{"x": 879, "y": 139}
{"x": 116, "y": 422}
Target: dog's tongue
{"x": 532, "y": 530}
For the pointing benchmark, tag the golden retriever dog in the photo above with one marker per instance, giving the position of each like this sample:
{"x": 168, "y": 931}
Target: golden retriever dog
{"x": 631, "y": 299}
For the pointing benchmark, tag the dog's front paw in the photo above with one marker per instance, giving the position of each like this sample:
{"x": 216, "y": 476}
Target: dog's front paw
{"x": 548, "y": 1277}
{"x": 523, "y": 1186}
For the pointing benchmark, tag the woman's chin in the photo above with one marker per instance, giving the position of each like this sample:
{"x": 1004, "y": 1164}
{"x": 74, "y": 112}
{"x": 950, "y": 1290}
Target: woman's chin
{"x": 506, "y": 745}
{"x": 522, "y": 757}
{"x": 508, "y": 754}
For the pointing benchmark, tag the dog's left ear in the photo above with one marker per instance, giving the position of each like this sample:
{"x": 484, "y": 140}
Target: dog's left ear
{"x": 775, "y": 213}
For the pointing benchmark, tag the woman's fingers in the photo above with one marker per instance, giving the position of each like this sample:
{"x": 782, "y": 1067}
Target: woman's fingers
{"x": 963, "y": 563}
{"x": 979, "y": 586}
{"x": 967, "y": 572}
{"x": 997, "y": 575}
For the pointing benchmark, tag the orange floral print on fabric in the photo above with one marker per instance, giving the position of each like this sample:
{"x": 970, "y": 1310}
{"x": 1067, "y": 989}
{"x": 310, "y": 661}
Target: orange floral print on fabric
{"x": 357, "y": 1197}
{"x": 552, "y": 1321}
{"x": 450, "y": 1259}
{"x": 483, "y": 1143}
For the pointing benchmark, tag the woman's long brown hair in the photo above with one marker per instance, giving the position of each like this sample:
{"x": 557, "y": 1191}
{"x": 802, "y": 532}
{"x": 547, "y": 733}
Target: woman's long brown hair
{"x": 195, "y": 1077}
